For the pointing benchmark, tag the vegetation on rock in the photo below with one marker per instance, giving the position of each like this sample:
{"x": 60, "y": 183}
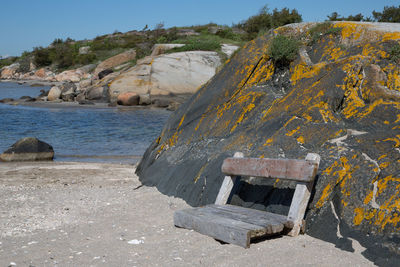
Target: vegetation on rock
{"x": 283, "y": 50}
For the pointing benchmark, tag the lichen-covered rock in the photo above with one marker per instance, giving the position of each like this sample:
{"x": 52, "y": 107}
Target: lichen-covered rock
{"x": 339, "y": 98}
{"x": 28, "y": 149}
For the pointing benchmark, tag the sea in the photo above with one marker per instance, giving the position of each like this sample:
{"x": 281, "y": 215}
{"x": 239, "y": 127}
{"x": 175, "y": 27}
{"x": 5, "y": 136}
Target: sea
{"x": 82, "y": 134}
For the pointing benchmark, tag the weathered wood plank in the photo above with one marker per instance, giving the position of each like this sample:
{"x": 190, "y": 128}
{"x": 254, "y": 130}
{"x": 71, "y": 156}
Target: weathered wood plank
{"x": 300, "y": 199}
{"x": 270, "y": 223}
{"x": 224, "y": 229}
{"x": 289, "y": 169}
{"x": 227, "y": 185}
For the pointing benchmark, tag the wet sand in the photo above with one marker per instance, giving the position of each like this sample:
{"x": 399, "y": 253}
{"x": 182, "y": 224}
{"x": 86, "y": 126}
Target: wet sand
{"x": 92, "y": 214}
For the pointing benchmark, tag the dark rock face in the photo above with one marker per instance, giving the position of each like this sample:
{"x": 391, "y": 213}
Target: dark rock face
{"x": 44, "y": 93}
{"x": 339, "y": 99}
{"x": 104, "y": 73}
{"x": 68, "y": 92}
{"x": 28, "y": 149}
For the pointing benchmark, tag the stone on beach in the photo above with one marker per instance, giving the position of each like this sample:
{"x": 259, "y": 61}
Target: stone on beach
{"x": 128, "y": 99}
{"x": 28, "y": 149}
{"x": 96, "y": 93}
{"x": 68, "y": 92}
{"x": 54, "y": 93}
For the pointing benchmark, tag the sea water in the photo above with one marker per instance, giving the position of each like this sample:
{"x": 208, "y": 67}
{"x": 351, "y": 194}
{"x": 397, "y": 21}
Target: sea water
{"x": 82, "y": 133}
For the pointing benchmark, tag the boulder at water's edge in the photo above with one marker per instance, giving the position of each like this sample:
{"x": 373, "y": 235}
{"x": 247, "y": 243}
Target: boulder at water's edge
{"x": 28, "y": 149}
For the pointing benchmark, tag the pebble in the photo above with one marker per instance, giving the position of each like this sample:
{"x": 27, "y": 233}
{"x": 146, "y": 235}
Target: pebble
{"x": 13, "y": 264}
{"x": 135, "y": 242}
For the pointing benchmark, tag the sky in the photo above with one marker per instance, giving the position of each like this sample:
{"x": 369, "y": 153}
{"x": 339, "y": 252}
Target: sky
{"x": 25, "y": 24}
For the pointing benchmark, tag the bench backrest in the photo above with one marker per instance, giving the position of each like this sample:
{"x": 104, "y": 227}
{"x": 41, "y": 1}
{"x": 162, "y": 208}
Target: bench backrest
{"x": 289, "y": 169}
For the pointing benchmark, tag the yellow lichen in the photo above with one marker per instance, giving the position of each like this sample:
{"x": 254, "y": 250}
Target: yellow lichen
{"x": 302, "y": 71}
{"x": 268, "y": 142}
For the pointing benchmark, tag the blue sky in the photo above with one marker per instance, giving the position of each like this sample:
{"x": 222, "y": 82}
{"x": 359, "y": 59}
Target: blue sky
{"x": 25, "y": 24}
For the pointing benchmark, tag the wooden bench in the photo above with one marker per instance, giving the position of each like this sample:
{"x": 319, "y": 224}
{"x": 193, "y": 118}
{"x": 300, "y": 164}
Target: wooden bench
{"x": 239, "y": 225}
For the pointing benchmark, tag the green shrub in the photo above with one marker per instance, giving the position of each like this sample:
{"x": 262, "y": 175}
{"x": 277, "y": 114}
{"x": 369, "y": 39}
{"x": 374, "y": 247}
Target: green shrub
{"x": 321, "y": 29}
{"x": 24, "y": 64}
{"x": 394, "y": 53}
{"x": 7, "y": 61}
{"x": 204, "y": 45}
{"x": 162, "y": 40}
{"x": 86, "y": 59}
{"x": 265, "y": 20}
{"x": 283, "y": 50}
{"x": 389, "y": 14}
{"x": 41, "y": 57}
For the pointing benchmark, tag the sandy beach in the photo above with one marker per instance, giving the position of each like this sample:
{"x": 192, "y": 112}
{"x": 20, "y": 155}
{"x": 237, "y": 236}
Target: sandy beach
{"x": 92, "y": 214}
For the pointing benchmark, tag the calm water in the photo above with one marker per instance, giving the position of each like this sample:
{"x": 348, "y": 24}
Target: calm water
{"x": 80, "y": 134}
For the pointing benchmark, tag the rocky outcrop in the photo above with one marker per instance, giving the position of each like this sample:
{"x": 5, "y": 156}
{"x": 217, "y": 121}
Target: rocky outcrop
{"x": 73, "y": 75}
{"x": 338, "y": 99}
{"x": 115, "y": 61}
{"x": 8, "y": 72}
{"x": 84, "y": 50}
{"x": 28, "y": 149}
{"x": 176, "y": 73}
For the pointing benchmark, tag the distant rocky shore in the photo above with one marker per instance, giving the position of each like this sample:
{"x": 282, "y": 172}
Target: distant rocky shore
{"x": 163, "y": 80}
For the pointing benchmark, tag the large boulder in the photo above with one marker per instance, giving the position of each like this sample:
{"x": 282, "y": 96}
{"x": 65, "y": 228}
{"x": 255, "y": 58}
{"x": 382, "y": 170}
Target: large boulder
{"x": 75, "y": 75}
{"x": 115, "y": 61}
{"x": 128, "y": 99}
{"x": 28, "y": 149}
{"x": 84, "y": 50}
{"x": 339, "y": 98}
{"x": 175, "y": 73}
{"x": 69, "y": 76}
{"x": 68, "y": 92}
{"x": 54, "y": 93}
{"x": 97, "y": 93}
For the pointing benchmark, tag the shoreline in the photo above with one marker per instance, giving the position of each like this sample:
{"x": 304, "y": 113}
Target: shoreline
{"x": 81, "y": 214}
{"x": 32, "y": 83}
{"x": 178, "y": 99}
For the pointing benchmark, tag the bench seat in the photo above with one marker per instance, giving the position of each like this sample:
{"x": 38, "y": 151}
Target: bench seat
{"x": 231, "y": 224}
